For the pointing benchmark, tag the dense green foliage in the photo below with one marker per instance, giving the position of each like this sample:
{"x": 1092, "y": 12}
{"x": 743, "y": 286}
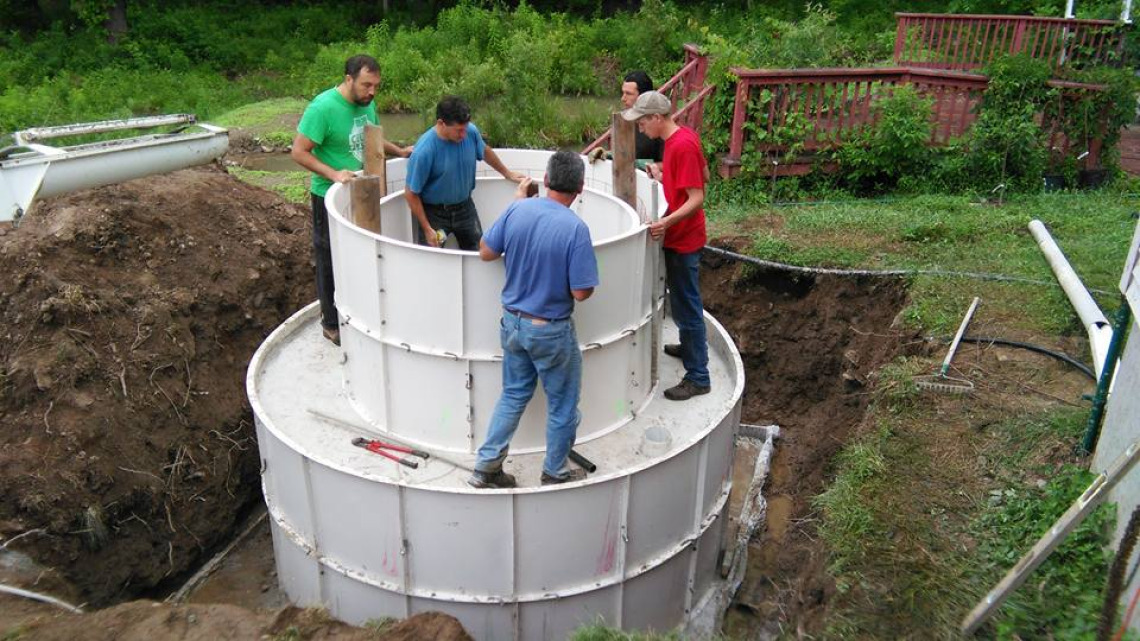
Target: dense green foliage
{"x": 513, "y": 61}
{"x": 1005, "y": 149}
{"x": 895, "y": 148}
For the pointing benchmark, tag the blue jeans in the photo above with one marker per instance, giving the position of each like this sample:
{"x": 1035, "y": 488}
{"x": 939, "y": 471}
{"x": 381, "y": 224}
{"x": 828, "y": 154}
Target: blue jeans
{"x": 533, "y": 350}
{"x": 682, "y": 272}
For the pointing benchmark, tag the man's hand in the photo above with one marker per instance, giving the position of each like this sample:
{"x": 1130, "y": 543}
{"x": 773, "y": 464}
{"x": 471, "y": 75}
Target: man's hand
{"x": 657, "y": 229}
{"x": 515, "y": 176}
{"x": 431, "y": 236}
{"x": 596, "y": 154}
{"x": 523, "y": 190}
{"x": 343, "y": 176}
{"x": 406, "y": 152}
{"x": 654, "y": 170}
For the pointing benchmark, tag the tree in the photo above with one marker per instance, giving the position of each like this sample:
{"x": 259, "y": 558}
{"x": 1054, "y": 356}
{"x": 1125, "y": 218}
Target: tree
{"x": 109, "y": 14}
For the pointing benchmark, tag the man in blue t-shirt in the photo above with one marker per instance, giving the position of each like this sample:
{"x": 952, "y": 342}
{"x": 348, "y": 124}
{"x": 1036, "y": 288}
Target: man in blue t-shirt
{"x": 441, "y": 176}
{"x": 550, "y": 265}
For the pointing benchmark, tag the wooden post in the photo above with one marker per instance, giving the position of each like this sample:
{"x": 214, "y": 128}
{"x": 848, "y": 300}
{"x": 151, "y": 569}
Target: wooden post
{"x": 624, "y": 148}
{"x": 374, "y": 157}
{"x": 367, "y": 190}
{"x": 900, "y": 37}
{"x": 365, "y": 193}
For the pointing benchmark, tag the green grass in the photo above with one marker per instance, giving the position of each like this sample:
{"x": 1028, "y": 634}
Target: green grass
{"x": 1067, "y": 591}
{"x": 952, "y": 233}
{"x": 260, "y": 114}
{"x": 923, "y": 519}
{"x": 292, "y": 185}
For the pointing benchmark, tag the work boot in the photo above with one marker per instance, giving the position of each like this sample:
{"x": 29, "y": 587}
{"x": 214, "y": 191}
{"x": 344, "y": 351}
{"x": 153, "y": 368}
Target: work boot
{"x": 332, "y": 335}
{"x": 567, "y": 477}
{"x": 673, "y": 349}
{"x": 491, "y": 480}
{"x": 685, "y": 390}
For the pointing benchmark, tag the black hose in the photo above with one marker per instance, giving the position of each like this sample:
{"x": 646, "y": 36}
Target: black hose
{"x": 1033, "y": 348}
{"x": 885, "y": 273}
{"x": 924, "y": 272}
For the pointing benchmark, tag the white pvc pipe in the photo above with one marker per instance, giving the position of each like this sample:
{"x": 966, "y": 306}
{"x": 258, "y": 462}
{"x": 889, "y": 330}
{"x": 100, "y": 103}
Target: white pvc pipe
{"x": 1097, "y": 326}
{"x": 36, "y": 596}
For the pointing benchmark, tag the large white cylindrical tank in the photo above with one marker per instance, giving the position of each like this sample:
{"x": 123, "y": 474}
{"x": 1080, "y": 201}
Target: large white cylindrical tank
{"x": 635, "y": 544}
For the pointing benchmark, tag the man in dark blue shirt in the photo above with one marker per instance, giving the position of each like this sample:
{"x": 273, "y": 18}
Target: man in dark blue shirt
{"x": 550, "y": 265}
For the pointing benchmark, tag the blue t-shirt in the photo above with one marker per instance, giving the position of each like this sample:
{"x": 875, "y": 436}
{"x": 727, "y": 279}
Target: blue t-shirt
{"x": 442, "y": 172}
{"x": 548, "y": 252}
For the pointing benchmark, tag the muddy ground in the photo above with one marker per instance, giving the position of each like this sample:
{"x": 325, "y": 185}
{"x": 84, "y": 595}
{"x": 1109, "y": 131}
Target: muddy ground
{"x": 811, "y": 347}
{"x": 127, "y": 458}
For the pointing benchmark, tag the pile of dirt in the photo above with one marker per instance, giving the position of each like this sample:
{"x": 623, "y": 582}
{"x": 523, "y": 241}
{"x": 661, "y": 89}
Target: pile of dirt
{"x": 147, "y": 621}
{"x": 809, "y": 345}
{"x": 130, "y": 313}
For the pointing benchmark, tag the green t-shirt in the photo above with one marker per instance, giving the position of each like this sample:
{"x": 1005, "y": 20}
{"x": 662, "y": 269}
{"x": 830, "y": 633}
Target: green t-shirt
{"x": 337, "y": 127}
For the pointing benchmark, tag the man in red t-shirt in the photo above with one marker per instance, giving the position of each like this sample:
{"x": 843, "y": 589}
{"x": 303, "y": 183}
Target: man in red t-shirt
{"x": 682, "y": 172}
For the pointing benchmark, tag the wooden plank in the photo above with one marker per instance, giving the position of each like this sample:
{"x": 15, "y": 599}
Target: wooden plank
{"x": 375, "y": 161}
{"x": 900, "y": 39}
{"x": 844, "y": 119}
{"x": 624, "y": 155}
{"x": 364, "y": 193}
{"x": 986, "y": 52}
{"x": 739, "y": 113}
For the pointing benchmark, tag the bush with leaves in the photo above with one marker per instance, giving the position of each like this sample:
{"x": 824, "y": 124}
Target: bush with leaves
{"x": 895, "y": 147}
{"x": 1005, "y": 150}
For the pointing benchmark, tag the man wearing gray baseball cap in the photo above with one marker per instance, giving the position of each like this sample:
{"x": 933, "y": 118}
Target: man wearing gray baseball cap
{"x": 682, "y": 229}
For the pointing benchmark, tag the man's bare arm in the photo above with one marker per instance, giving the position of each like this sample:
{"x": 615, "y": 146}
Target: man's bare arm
{"x": 302, "y": 154}
{"x": 416, "y": 204}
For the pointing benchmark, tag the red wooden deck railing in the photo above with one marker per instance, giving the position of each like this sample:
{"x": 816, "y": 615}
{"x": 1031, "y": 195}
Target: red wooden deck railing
{"x": 940, "y": 41}
{"x": 810, "y": 110}
{"x": 686, "y": 88}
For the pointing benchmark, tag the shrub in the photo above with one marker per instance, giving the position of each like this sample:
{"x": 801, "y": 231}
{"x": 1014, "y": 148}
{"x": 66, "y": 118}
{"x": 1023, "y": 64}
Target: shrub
{"x": 896, "y": 146}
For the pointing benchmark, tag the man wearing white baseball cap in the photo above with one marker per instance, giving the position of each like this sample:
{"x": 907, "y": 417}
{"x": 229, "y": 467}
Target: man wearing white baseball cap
{"x": 682, "y": 230}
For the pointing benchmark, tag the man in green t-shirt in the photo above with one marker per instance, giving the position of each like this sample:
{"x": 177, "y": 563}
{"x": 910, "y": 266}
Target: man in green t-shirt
{"x": 330, "y": 143}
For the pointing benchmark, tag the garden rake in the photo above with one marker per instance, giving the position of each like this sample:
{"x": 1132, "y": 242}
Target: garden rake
{"x": 940, "y": 382}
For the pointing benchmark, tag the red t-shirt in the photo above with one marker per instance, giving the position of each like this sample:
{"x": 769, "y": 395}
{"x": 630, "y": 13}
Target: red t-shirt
{"x": 683, "y": 168}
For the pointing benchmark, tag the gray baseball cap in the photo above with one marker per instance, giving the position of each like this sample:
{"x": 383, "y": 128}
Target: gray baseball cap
{"x": 650, "y": 102}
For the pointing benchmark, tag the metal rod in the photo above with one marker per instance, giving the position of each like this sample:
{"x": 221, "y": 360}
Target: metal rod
{"x": 1104, "y": 383}
{"x": 44, "y": 133}
{"x": 360, "y": 430}
{"x": 1086, "y": 503}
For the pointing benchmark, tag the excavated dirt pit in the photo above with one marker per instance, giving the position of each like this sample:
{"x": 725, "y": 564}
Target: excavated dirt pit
{"x": 127, "y": 458}
{"x": 811, "y": 346}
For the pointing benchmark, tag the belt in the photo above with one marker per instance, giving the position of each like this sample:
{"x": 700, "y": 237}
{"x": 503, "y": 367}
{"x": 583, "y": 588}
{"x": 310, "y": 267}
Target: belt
{"x": 452, "y": 207}
{"x": 522, "y": 314}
